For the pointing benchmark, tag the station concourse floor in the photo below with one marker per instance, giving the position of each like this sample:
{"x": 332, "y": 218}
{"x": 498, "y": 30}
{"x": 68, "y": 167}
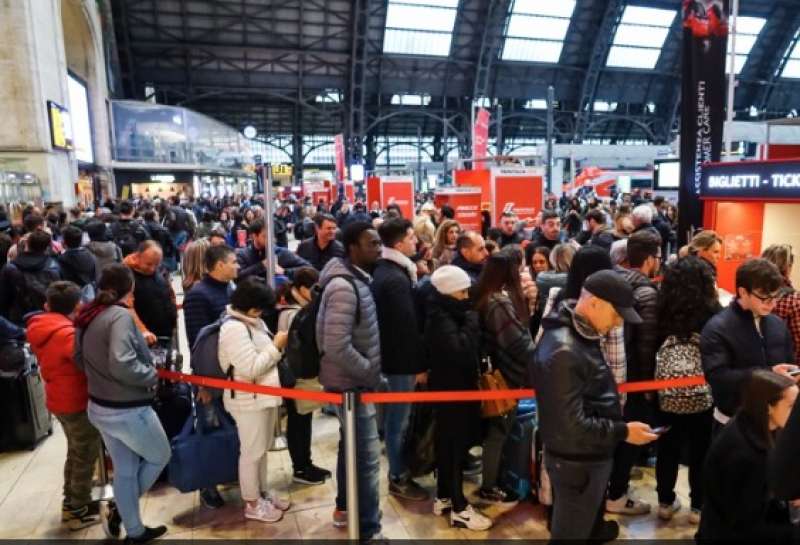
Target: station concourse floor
{"x": 31, "y": 485}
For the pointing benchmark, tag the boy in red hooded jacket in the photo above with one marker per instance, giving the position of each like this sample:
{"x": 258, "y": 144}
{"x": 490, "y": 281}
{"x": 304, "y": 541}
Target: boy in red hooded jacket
{"x": 51, "y": 335}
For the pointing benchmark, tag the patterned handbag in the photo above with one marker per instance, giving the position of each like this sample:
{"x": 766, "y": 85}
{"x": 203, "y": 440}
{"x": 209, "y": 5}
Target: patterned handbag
{"x": 679, "y": 359}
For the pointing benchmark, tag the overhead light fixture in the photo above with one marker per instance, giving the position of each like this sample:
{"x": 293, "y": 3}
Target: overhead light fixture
{"x": 250, "y": 132}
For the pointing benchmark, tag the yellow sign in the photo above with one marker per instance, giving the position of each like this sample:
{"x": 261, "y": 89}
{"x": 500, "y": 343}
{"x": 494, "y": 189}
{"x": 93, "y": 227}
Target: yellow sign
{"x": 60, "y": 126}
{"x": 281, "y": 170}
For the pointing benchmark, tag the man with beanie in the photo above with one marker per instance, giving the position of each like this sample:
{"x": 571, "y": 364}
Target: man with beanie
{"x": 580, "y": 415}
{"x": 349, "y": 342}
{"x": 402, "y": 359}
{"x": 452, "y": 339}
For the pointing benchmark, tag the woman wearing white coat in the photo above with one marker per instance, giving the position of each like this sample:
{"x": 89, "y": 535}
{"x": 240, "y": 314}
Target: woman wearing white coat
{"x": 246, "y": 344}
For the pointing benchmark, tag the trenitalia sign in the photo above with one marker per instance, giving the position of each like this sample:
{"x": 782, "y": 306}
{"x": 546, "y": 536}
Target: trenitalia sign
{"x": 775, "y": 180}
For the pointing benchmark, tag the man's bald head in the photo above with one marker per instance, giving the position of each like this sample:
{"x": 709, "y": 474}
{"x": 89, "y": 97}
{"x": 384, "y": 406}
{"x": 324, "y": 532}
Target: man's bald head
{"x": 150, "y": 255}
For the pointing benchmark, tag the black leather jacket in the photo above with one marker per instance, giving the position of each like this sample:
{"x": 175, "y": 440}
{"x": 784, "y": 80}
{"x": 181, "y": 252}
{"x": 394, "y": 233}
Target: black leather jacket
{"x": 580, "y": 417}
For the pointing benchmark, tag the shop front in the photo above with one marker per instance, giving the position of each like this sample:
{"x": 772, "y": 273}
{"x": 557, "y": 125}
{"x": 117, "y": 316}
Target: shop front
{"x": 751, "y": 205}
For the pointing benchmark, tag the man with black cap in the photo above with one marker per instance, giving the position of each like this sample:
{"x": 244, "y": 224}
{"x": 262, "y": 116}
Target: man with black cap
{"x": 579, "y": 409}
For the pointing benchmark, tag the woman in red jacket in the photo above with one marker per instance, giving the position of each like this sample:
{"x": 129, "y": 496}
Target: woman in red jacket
{"x": 51, "y": 335}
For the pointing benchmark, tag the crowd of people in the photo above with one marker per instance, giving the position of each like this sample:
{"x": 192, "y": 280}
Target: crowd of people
{"x": 584, "y": 296}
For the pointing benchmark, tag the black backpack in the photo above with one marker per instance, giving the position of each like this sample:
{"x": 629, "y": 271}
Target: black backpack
{"x": 302, "y": 352}
{"x": 33, "y": 288}
{"x": 128, "y": 235}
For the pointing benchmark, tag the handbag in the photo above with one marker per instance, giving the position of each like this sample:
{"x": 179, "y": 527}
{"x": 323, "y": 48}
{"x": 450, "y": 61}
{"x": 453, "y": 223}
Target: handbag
{"x": 306, "y": 406}
{"x": 204, "y": 456}
{"x": 492, "y": 380}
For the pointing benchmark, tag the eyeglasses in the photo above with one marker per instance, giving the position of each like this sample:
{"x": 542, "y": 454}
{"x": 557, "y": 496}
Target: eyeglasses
{"x": 766, "y": 299}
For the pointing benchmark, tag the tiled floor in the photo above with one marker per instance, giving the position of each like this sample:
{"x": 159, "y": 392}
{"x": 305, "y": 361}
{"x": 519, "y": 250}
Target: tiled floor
{"x": 30, "y": 500}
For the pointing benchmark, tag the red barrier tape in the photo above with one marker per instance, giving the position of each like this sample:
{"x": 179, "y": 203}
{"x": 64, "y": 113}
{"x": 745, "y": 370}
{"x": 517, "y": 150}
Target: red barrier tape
{"x": 411, "y": 397}
{"x": 222, "y": 384}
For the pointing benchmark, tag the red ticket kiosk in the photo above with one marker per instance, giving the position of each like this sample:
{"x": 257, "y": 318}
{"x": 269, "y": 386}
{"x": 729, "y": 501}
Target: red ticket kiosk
{"x": 465, "y": 201}
{"x": 751, "y": 205}
{"x": 518, "y": 189}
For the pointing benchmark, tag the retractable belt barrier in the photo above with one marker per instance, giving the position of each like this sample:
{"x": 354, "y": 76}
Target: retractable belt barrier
{"x": 411, "y": 397}
{"x": 350, "y": 400}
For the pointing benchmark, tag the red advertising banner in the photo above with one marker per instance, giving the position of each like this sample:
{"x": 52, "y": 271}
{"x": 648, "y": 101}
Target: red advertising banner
{"x": 480, "y": 139}
{"x": 476, "y": 178}
{"x": 399, "y": 191}
{"x": 516, "y": 189}
{"x": 324, "y": 196}
{"x": 338, "y": 144}
{"x": 373, "y": 190}
{"x": 466, "y": 201}
{"x": 349, "y": 192}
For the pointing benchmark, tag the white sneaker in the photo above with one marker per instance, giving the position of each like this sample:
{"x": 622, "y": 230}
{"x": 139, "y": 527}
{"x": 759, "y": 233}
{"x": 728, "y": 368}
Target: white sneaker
{"x": 694, "y": 516}
{"x": 278, "y": 503}
{"x": 441, "y": 506}
{"x": 471, "y": 519}
{"x": 627, "y": 506}
{"x": 263, "y": 511}
{"x": 667, "y": 511}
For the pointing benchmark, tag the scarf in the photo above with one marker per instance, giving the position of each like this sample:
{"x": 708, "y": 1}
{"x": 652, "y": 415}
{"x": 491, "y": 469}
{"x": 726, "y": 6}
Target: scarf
{"x": 390, "y": 254}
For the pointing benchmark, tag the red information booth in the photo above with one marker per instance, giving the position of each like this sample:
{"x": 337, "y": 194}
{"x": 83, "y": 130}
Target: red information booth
{"x": 516, "y": 188}
{"x": 465, "y": 201}
{"x": 476, "y": 178}
{"x": 751, "y": 205}
{"x": 392, "y": 189}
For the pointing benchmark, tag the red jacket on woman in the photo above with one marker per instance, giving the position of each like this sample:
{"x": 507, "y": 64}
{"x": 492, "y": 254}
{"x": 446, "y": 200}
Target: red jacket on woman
{"x": 52, "y": 339}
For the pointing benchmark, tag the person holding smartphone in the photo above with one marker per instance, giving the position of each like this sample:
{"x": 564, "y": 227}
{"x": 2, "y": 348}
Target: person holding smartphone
{"x": 581, "y": 421}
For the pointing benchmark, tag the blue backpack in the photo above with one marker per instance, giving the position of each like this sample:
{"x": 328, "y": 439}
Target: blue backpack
{"x": 205, "y": 354}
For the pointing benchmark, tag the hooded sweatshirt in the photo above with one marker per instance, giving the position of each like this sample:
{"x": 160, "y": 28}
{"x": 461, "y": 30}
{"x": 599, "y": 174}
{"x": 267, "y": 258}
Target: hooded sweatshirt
{"x": 104, "y": 253}
{"x": 52, "y": 339}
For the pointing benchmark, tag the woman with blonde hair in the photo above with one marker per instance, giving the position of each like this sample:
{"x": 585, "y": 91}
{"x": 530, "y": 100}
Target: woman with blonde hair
{"x": 424, "y": 228}
{"x": 444, "y": 249}
{"x": 707, "y": 245}
{"x": 193, "y": 263}
{"x": 788, "y": 305}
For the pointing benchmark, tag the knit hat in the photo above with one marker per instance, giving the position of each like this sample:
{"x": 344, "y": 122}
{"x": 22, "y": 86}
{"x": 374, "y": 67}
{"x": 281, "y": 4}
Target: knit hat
{"x": 450, "y": 279}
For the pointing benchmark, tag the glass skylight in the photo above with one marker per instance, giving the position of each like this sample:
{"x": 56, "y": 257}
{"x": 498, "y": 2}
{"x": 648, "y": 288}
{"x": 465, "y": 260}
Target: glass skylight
{"x": 420, "y": 27}
{"x": 329, "y": 95}
{"x": 536, "y": 30}
{"x": 792, "y": 67}
{"x": 640, "y": 37}
{"x": 747, "y": 31}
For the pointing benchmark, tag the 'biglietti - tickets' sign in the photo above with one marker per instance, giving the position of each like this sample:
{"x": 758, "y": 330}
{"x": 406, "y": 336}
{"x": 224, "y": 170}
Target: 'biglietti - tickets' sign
{"x": 751, "y": 180}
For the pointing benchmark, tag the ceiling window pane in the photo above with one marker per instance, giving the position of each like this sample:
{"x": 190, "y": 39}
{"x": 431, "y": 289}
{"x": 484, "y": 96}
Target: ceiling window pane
{"x": 536, "y": 104}
{"x": 747, "y": 31}
{"x": 632, "y": 57}
{"x": 410, "y": 42}
{"x": 792, "y": 69}
{"x": 640, "y": 37}
{"x": 420, "y": 27}
{"x": 531, "y": 50}
{"x": 547, "y": 28}
{"x": 536, "y": 30}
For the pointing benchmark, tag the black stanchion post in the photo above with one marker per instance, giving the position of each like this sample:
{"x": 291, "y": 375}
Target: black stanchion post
{"x": 351, "y": 467}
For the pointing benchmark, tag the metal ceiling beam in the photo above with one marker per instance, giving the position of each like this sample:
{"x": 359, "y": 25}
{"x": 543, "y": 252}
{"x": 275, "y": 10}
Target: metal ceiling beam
{"x": 356, "y": 91}
{"x": 493, "y": 30}
{"x": 597, "y": 60}
{"x": 790, "y": 34}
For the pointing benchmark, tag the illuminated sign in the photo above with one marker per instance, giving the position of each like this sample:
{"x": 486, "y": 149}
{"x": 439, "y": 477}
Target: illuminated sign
{"x": 60, "y": 126}
{"x": 752, "y": 180}
{"x": 281, "y": 170}
{"x": 163, "y": 178}
{"x": 79, "y": 115}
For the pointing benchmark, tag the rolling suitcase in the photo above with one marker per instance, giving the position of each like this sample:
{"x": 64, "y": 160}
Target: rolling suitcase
{"x": 26, "y": 420}
{"x": 517, "y": 466}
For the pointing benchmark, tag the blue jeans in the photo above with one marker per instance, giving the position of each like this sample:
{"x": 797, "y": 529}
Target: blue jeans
{"x": 395, "y": 422}
{"x": 139, "y": 449}
{"x": 368, "y": 450}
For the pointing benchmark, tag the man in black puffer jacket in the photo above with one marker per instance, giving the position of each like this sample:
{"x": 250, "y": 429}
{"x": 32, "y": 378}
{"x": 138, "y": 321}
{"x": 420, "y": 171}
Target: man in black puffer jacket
{"x": 580, "y": 418}
{"x": 641, "y": 345}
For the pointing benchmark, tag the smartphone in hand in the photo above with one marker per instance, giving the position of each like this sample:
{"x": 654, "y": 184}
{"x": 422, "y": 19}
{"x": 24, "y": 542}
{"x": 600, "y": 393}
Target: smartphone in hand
{"x": 661, "y": 430}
